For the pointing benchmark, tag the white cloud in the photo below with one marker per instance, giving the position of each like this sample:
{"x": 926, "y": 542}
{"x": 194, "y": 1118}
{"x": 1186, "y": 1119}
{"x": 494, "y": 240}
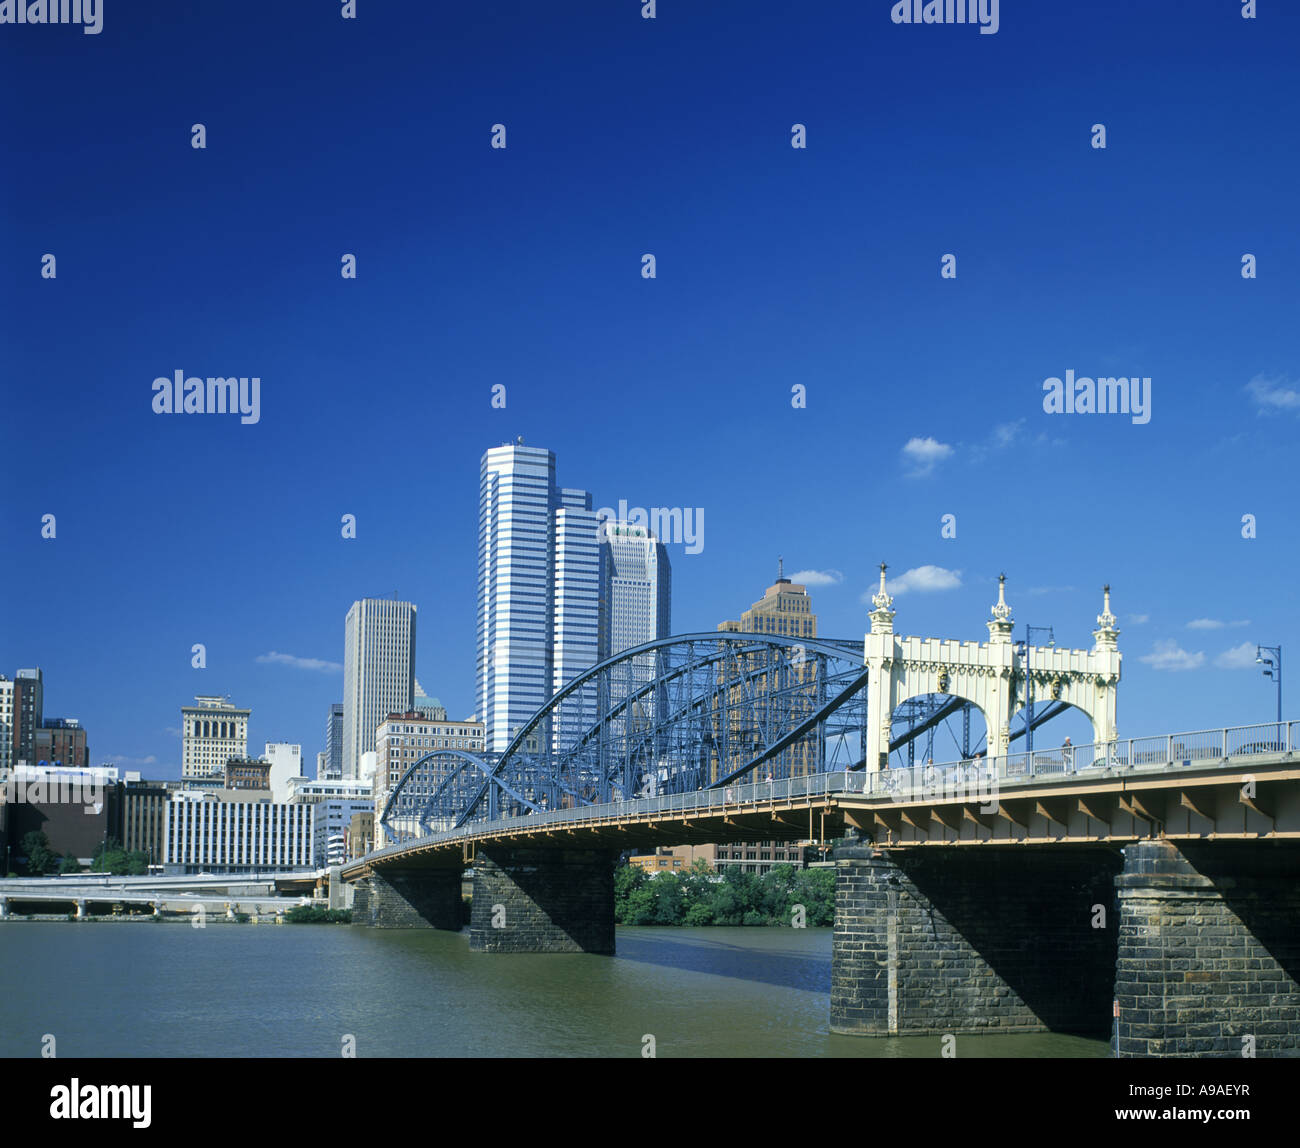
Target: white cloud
{"x": 817, "y": 577}
{"x": 1138, "y": 619}
{"x": 1169, "y": 655}
{"x": 1214, "y": 624}
{"x": 1238, "y": 658}
{"x": 1002, "y": 436}
{"x": 119, "y": 759}
{"x": 301, "y": 663}
{"x": 1271, "y": 395}
{"x": 922, "y": 580}
{"x": 924, "y": 454}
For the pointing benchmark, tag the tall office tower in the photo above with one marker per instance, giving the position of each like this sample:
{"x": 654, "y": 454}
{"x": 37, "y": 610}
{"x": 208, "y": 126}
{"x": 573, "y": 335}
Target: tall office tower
{"x": 378, "y": 673}
{"x": 29, "y": 713}
{"x": 212, "y": 732}
{"x": 636, "y": 593}
{"x": 785, "y": 609}
{"x": 6, "y": 726}
{"x": 538, "y": 588}
{"x": 334, "y": 743}
{"x": 636, "y": 588}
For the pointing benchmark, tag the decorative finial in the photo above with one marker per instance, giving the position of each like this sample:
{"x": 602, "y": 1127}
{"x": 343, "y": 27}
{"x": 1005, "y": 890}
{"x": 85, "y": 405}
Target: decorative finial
{"x": 1106, "y": 631}
{"x": 883, "y": 614}
{"x": 881, "y": 599}
{"x": 1001, "y": 624}
{"x": 1002, "y": 611}
{"x": 1106, "y": 620}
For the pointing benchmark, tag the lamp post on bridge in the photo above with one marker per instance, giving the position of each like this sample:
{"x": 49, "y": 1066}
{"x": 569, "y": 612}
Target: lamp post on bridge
{"x": 1273, "y": 669}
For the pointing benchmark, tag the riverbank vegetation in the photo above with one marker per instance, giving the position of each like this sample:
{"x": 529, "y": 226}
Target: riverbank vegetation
{"x": 699, "y": 896}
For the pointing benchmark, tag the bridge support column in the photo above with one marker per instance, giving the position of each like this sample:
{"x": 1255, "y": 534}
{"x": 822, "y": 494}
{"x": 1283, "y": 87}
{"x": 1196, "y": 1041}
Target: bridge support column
{"x": 4, "y": 906}
{"x": 409, "y": 899}
{"x": 1209, "y": 949}
{"x": 81, "y": 910}
{"x": 971, "y": 940}
{"x": 543, "y": 901}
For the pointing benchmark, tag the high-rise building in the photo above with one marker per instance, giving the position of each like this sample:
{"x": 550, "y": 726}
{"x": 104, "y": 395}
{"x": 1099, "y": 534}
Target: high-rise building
{"x": 6, "y": 726}
{"x": 212, "y": 732}
{"x": 378, "y": 673}
{"x": 538, "y": 587}
{"x": 334, "y": 743}
{"x": 786, "y": 610}
{"x": 29, "y": 711}
{"x": 636, "y": 588}
{"x": 431, "y": 707}
{"x": 286, "y": 763}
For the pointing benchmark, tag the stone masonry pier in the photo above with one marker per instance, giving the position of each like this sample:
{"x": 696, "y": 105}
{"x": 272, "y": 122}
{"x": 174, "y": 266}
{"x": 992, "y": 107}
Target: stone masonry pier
{"x": 543, "y": 900}
{"x": 965, "y": 941}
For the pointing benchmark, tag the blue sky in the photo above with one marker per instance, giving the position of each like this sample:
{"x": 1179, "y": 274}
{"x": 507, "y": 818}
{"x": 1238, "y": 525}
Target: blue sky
{"x": 775, "y": 266}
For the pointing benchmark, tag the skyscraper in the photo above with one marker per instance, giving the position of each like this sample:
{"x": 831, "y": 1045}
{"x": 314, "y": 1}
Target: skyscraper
{"x": 785, "y": 609}
{"x": 334, "y": 743}
{"x": 28, "y": 714}
{"x": 636, "y": 588}
{"x": 636, "y": 596}
{"x": 212, "y": 732}
{"x": 378, "y": 672}
{"x": 538, "y": 587}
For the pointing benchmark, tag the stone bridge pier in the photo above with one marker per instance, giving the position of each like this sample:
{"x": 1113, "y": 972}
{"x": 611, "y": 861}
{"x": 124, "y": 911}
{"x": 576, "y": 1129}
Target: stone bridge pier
{"x": 526, "y": 900}
{"x": 1209, "y": 949}
{"x": 983, "y": 940}
{"x": 1185, "y": 948}
{"x": 543, "y": 900}
{"x": 414, "y": 898}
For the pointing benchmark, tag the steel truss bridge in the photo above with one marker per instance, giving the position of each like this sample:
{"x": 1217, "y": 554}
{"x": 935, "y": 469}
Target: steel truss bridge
{"x": 676, "y": 716}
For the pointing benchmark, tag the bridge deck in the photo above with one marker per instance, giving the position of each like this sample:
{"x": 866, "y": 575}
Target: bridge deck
{"x": 1245, "y": 796}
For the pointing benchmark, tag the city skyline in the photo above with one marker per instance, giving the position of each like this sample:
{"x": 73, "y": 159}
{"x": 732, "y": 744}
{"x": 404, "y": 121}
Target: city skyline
{"x": 923, "y": 395}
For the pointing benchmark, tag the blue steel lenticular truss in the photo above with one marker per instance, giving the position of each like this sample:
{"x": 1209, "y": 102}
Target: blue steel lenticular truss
{"x": 672, "y": 716}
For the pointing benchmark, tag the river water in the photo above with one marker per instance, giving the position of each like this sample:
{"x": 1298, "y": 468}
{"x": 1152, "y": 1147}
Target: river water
{"x": 128, "y": 989}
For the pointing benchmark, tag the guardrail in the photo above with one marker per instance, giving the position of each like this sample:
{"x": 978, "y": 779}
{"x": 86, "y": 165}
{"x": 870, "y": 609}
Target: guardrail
{"x": 970, "y": 778}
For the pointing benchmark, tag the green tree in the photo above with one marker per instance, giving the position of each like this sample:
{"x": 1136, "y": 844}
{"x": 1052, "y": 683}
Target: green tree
{"x": 667, "y": 892}
{"x": 110, "y": 857}
{"x": 814, "y": 889}
{"x": 628, "y": 879}
{"x": 69, "y": 864}
{"x": 35, "y": 846}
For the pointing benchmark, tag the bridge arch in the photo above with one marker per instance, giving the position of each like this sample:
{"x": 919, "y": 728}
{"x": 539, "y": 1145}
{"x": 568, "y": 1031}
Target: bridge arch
{"x": 996, "y": 676}
{"x": 674, "y": 715}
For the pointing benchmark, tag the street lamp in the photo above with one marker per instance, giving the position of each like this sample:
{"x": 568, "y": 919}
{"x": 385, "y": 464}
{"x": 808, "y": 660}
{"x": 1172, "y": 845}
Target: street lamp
{"x": 1272, "y": 669}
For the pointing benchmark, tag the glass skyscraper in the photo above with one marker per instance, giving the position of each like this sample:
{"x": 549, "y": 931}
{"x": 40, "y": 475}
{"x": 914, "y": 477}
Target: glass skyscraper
{"x": 636, "y": 588}
{"x": 539, "y": 617}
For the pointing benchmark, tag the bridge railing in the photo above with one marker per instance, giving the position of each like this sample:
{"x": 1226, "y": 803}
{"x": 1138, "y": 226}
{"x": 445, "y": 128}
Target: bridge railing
{"x": 1167, "y": 751}
{"x": 970, "y": 778}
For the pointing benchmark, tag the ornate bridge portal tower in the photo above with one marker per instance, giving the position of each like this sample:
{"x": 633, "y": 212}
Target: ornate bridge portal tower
{"x": 990, "y": 675}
